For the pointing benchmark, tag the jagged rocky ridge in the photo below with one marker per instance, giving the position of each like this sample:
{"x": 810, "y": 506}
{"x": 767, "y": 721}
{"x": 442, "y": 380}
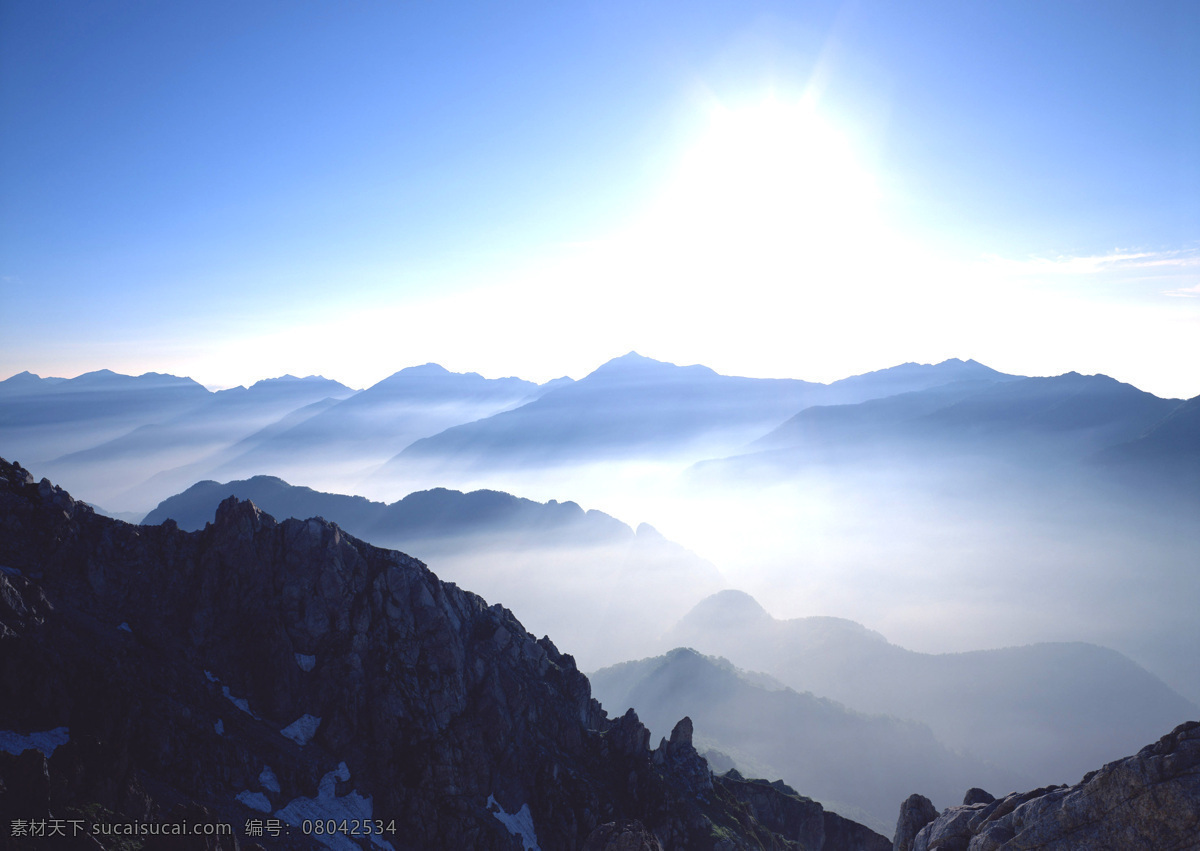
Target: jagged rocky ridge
{"x": 259, "y": 669}
{"x": 1150, "y": 800}
{"x": 622, "y": 585}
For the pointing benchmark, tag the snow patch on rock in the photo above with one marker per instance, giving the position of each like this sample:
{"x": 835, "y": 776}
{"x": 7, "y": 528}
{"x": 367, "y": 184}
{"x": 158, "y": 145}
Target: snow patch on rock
{"x": 327, "y": 805}
{"x": 255, "y": 801}
{"x": 519, "y": 823}
{"x": 302, "y": 729}
{"x": 268, "y": 780}
{"x": 305, "y": 663}
{"x": 240, "y": 702}
{"x": 46, "y": 741}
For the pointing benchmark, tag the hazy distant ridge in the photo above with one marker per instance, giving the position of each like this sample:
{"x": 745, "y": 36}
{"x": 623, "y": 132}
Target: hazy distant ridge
{"x": 845, "y": 759}
{"x": 1046, "y": 710}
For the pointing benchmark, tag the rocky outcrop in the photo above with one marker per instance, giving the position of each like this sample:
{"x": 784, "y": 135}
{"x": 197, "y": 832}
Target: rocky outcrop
{"x": 1149, "y": 800}
{"x": 259, "y": 673}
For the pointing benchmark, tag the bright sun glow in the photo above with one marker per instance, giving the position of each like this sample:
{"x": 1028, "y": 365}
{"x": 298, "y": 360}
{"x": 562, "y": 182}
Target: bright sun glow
{"x": 773, "y": 177}
{"x": 778, "y": 165}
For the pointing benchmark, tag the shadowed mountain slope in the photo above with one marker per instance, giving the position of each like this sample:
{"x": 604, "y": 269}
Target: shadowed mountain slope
{"x": 1168, "y": 451}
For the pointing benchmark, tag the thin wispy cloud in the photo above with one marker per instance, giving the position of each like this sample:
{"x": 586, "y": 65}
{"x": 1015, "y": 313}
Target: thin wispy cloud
{"x": 1185, "y": 292}
{"x": 1117, "y": 260}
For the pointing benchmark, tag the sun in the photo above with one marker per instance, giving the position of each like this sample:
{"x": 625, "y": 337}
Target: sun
{"x": 772, "y": 176}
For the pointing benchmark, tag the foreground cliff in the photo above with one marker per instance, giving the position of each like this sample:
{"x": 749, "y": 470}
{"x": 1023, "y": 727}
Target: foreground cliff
{"x": 1150, "y": 800}
{"x": 276, "y": 676}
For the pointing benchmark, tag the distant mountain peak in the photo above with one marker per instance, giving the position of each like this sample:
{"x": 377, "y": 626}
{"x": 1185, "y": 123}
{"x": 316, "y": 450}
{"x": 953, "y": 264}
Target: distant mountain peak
{"x": 289, "y": 380}
{"x": 632, "y": 357}
{"x": 430, "y": 368}
{"x": 634, "y": 364}
{"x": 728, "y": 608}
{"x": 30, "y": 380}
{"x": 425, "y": 370}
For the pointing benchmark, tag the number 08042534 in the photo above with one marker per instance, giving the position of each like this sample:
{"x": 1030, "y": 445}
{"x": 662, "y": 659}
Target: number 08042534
{"x": 347, "y": 827}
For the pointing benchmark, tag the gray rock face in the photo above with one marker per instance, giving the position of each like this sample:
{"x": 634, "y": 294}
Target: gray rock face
{"x": 1149, "y": 800}
{"x": 916, "y": 812}
{"x": 174, "y": 659}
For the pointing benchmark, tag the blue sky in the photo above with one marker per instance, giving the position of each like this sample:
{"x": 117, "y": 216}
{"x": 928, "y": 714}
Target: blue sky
{"x": 237, "y": 190}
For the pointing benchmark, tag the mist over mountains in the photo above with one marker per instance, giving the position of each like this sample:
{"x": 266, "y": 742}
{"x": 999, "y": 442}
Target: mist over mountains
{"x": 638, "y": 406}
{"x": 1028, "y": 544}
